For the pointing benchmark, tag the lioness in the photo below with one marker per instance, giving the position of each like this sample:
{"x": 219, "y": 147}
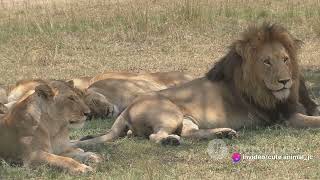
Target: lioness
{"x": 24, "y": 87}
{"x": 42, "y": 120}
{"x": 167, "y": 79}
{"x": 255, "y": 84}
{"x": 111, "y": 92}
{"x": 81, "y": 83}
{"x": 109, "y": 97}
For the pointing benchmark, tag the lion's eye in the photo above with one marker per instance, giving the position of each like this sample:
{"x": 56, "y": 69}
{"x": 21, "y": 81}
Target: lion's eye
{"x": 285, "y": 59}
{"x": 267, "y": 62}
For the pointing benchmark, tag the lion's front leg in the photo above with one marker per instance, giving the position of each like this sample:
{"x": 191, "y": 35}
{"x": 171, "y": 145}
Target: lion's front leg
{"x": 88, "y": 158}
{"x": 191, "y": 130}
{"x": 299, "y": 120}
{"x": 65, "y": 163}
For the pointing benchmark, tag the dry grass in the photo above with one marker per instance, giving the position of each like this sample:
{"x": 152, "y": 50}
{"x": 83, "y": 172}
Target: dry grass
{"x": 70, "y": 38}
{"x": 63, "y": 39}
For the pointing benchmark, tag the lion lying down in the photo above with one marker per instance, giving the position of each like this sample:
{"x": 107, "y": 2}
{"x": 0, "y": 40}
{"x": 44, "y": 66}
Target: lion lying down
{"x": 110, "y": 92}
{"x": 110, "y": 95}
{"x": 167, "y": 79}
{"x": 255, "y": 84}
{"x": 36, "y": 129}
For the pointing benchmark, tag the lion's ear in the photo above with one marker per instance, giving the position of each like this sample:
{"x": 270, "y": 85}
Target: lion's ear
{"x": 45, "y": 91}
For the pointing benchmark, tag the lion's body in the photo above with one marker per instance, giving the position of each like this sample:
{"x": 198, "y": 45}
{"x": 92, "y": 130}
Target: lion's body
{"x": 48, "y": 140}
{"x": 164, "y": 78}
{"x": 19, "y": 123}
{"x": 213, "y": 105}
{"x": 20, "y": 89}
{"x": 167, "y": 79}
{"x": 112, "y": 94}
{"x": 82, "y": 83}
{"x": 255, "y": 84}
{"x": 113, "y": 75}
{"x": 109, "y": 97}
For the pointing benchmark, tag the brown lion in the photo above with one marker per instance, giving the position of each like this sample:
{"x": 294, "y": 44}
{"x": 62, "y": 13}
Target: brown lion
{"x": 255, "y": 84}
{"x": 23, "y": 87}
{"x": 168, "y": 79}
{"x": 109, "y": 97}
{"x": 165, "y": 78}
{"x": 36, "y": 129}
{"x": 115, "y": 91}
{"x": 81, "y": 83}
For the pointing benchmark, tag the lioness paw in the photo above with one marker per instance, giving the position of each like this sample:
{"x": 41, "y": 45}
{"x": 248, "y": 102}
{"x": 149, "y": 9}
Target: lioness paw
{"x": 92, "y": 158}
{"x": 82, "y": 169}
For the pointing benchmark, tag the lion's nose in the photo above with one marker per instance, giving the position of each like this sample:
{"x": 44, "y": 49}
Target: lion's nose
{"x": 283, "y": 81}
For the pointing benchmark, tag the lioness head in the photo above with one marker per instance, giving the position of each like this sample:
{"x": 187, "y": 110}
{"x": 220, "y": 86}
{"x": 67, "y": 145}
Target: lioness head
{"x": 98, "y": 104}
{"x": 263, "y": 65}
{"x": 68, "y": 104}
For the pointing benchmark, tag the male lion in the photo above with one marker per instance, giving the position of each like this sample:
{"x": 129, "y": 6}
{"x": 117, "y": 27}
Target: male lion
{"x": 36, "y": 128}
{"x": 255, "y": 84}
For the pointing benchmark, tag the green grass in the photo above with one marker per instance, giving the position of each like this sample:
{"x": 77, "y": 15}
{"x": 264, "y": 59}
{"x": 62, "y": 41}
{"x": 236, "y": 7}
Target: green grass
{"x": 65, "y": 39}
{"x": 136, "y": 158}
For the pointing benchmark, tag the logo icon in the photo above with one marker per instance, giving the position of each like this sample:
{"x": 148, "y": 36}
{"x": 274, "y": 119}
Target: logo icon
{"x": 217, "y": 149}
{"x": 236, "y": 157}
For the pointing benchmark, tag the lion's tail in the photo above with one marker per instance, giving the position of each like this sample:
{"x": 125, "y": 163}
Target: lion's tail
{"x": 118, "y": 129}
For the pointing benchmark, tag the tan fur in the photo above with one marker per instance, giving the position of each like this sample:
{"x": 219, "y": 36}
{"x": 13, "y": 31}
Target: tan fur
{"x": 21, "y": 88}
{"x": 24, "y": 87}
{"x": 168, "y": 79}
{"x": 42, "y": 119}
{"x": 111, "y": 95}
{"x": 81, "y": 83}
{"x": 255, "y": 84}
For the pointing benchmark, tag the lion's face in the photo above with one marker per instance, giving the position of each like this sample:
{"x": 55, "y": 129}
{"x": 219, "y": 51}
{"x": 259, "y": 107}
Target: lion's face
{"x": 69, "y": 105}
{"x": 273, "y": 68}
{"x": 72, "y": 108}
{"x": 98, "y": 104}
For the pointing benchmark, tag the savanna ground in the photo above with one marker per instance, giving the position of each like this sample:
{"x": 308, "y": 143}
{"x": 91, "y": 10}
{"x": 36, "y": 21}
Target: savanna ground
{"x": 63, "y": 39}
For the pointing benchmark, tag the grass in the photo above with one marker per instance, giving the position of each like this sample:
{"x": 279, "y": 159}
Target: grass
{"x": 64, "y": 39}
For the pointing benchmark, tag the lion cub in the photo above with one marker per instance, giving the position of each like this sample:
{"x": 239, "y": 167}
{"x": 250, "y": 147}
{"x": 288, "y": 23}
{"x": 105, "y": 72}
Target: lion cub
{"x": 35, "y": 130}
